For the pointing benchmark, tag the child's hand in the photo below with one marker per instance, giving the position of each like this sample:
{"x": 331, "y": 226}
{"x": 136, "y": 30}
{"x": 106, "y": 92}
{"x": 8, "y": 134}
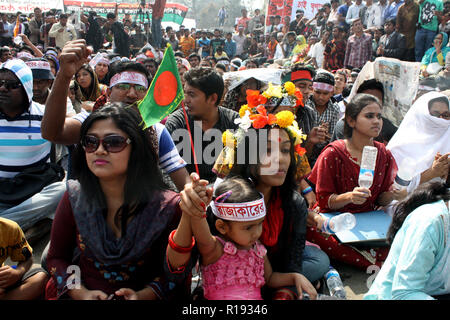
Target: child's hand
{"x": 127, "y": 294}
{"x": 195, "y": 197}
{"x": 303, "y": 285}
{"x": 8, "y": 276}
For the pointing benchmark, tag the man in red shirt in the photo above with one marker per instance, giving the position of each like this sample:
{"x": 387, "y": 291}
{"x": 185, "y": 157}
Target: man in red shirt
{"x": 243, "y": 21}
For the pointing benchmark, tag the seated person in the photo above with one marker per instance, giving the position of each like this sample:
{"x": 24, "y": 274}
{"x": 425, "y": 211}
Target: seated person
{"x": 433, "y": 60}
{"x": 18, "y": 282}
{"x": 429, "y": 155}
{"x": 336, "y": 178}
{"x": 375, "y": 88}
{"x": 418, "y": 262}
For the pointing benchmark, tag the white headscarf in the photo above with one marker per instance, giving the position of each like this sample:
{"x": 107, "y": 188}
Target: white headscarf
{"x": 420, "y": 135}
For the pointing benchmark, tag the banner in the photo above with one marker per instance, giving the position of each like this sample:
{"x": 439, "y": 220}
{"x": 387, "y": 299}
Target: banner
{"x": 27, "y": 6}
{"x": 281, "y": 8}
{"x": 311, "y": 7}
{"x": 173, "y": 12}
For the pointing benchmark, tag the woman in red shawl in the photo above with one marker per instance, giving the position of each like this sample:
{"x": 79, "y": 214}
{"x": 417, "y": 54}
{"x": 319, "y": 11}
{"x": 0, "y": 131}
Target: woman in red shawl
{"x": 336, "y": 172}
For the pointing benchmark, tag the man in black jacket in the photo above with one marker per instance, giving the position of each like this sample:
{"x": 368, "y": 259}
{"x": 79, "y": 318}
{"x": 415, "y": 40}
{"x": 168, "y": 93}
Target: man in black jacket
{"x": 392, "y": 43}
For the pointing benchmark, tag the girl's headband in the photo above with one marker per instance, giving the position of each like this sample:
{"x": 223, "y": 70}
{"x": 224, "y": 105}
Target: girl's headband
{"x": 245, "y": 211}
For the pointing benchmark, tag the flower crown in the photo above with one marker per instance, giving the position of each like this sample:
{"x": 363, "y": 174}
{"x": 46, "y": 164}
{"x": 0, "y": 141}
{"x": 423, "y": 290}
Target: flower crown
{"x": 254, "y": 114}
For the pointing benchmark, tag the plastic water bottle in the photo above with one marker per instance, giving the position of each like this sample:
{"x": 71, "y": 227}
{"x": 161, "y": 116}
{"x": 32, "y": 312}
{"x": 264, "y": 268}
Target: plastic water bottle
{"x": 405, "y": 174}
{"x": 334, "y": 284}
{"x": 367, "y": 168}
{"x": 341, "y": 222}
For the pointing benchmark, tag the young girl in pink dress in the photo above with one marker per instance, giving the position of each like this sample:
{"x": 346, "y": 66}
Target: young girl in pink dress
{"x": 234, "y": 263}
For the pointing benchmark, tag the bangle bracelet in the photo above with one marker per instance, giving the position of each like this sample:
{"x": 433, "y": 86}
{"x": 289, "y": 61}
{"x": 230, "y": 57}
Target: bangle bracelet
{"x": 176, "y": 247}
{"x": 307, "y": 190}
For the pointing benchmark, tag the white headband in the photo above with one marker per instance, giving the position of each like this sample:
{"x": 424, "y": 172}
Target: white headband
{"x": 246, "y": 211}
{"x": 25, "y": 55}
{"x": 41, "y": 65}
{"x": 323, "y": 86}
{"x": 128, "y": 77}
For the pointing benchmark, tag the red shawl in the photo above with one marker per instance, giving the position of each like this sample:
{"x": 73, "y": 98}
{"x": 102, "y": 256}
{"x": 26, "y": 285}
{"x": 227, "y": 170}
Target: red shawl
{"x": 273, "y": 222}
{"x": 336, "y": 172}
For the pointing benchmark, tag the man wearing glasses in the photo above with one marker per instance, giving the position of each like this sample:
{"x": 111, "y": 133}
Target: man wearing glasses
{"x": 128, "y": 84}
{"x": 23, "y": 149}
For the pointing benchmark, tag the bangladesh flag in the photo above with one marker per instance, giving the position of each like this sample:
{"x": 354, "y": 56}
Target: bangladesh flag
{"x": 165, "y": 92}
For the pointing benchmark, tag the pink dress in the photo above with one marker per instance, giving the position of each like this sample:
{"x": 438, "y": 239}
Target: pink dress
{"x": 237, "y": 275}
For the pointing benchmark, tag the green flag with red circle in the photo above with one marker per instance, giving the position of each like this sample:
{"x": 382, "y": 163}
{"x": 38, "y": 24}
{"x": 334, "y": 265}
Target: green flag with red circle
{"x": 165, "y": 92}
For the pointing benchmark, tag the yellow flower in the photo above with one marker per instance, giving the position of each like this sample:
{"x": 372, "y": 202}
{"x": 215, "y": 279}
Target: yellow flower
{"x": 273, "y": 91}
{"x": 228, "y": 139}
{"x": 284, "y": 118}
{"x": 242, "y": 110}
{"x": 290, "y": 88}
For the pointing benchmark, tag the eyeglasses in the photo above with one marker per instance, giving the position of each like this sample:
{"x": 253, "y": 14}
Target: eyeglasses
{"x": 113, "y": 143}
{"x": 445, "y": 115}
{"x": 127, "y": 86}
{"x": 10, "y": 84}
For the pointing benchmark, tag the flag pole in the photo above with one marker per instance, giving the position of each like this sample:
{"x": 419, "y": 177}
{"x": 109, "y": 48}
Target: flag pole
{"x": 190, "y": 136}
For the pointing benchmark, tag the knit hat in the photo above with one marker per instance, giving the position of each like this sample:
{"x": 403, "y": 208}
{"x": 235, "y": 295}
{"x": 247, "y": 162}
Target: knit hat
{"x": 40, "y": 68}
{"x": 23, "y": 73}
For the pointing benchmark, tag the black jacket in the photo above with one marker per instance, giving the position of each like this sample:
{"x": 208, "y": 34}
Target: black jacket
{"x": 395, "y": 47}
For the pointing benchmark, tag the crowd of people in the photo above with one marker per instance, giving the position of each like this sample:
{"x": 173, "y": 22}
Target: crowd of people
{"x": 141, "y": 217}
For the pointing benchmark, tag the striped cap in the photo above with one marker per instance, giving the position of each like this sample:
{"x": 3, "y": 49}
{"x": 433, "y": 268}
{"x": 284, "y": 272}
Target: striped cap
{"x": 23, "y": 73}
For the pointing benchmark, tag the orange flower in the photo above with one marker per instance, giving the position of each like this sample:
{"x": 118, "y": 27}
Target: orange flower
{"x": 299, "y": 96}
{"x": 299, "y": 150}
{"x": 254, "y": 98}
{"x": 262, "y": 119}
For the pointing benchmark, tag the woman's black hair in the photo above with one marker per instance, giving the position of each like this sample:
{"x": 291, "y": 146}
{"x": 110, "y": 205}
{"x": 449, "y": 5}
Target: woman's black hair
{"x": 88, "y": 68}
{"x": 438, "y": 99}
{"x": 354, "y": 107}
{"x": 427, "y": 193}
{"x": 247, "y": 163}
{"x": 143, "y": 173}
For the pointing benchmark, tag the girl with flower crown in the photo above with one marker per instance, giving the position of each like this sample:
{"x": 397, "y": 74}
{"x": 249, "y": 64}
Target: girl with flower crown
{"x": 273, "y": 174}
{"x": 234, "y": 263}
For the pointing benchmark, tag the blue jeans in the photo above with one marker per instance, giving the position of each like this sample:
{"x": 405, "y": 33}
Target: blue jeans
{"x": 156, "y": 32}
{"x": 315, "y": 263}
{"x": 424, "y": 40}
{"x": 40, "y": 206}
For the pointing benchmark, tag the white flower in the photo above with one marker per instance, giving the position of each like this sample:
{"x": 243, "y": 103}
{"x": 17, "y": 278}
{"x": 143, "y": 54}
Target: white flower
{"x": 244, "y": 123}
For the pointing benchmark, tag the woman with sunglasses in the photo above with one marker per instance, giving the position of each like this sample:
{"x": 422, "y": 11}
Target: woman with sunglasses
{"x": 117, "y": 215}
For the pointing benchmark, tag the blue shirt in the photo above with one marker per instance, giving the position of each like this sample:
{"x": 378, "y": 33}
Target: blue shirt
{"x": 391, "y": 11}
{"x": 342, "y": 10}
{"x": 230, "y": 48}
{"x": 418, "y": 264}
{"x": 202, "y": 43}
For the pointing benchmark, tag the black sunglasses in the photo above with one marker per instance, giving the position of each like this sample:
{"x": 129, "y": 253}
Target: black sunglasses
{"x": 10, "y": 84}
{"x": 113, "y": 143}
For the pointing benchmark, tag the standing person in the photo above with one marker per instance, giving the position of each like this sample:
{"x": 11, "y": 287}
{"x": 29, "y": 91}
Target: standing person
{"x": 173, "y": 41}
{"x": 407, "y": 17}
{"x": 342, "y": 14}
{"x": 392, "y": 43}
{"x": 298, "y": 25}
{"x": 157, "y": 15}
{"x": 231, "y": 246}
{"x": 392, "y": 9}
{"x": 222, "y": 15}
{"x": 376, "y": 17}
{"x": 21, "y": 118}
{"x": 45, "y": 28}
{"x": 121, "y": 38}
{"x": 333, "y": 17}
{"x": 187, "y": 43}
{"x": 418, "y": 261}
{"x": 204, "y": 44}
{"x": 119, "y": 195}
{"x": 35, "y": 27}
{"x": 359, "y": 47}
{"x": 203, "y": 91}
{"x": 243, "y": 21}
{"x": 230, "y": 46}
{"x": 240, "y": 39}
{"x": 216, "y": 42}
{"x": 430, "y": 10}
{"x": 5, "y": 31}
{"x": 353, "y": 12}
{"x": 334, "y": 53}
{"x": 336, "y": 178}
{"x": 62, "y": 31}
